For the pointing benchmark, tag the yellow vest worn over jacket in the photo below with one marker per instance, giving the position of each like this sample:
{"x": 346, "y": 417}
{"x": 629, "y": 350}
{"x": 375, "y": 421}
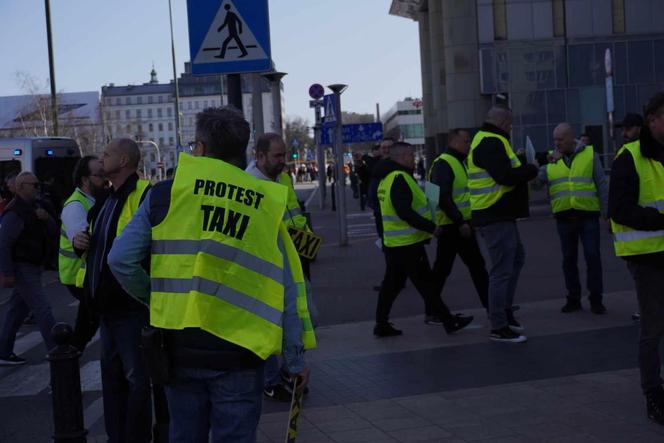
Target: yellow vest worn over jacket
{"x": 484, "y": 191}
{"x": 215, "y": 262}
{"x": 628, "y": 241}
{"x": 460, "y": 190}
{"x": 68, "y": 262}
{"x": 128, "y": 210}
{"x": 293, "y": 215}
{"x": 573, "y": 187}
{"x": 397, "y": 232}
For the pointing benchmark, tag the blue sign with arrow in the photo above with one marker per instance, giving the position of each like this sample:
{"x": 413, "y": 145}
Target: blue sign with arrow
{"x": 229, "y": 37}
{"x": 354, "y": 133}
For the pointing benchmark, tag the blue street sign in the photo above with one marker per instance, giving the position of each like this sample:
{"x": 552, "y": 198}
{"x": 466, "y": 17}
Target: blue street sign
{"x": 229, "y": 37}
{"x": 355, "y": 133}
{"x": 330, "y": 108}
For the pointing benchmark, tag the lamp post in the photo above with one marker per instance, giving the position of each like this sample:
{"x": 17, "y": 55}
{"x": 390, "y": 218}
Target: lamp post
{"x": 340, "y": 184}
{"x": 160, "y": 175}
{"x": 178, "y": 133}
{"x": 51, "y": 67}
{"x": 275, "y": 78}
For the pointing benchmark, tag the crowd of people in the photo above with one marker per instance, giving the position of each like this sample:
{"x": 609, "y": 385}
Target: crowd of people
{"x": 203, "y": 303}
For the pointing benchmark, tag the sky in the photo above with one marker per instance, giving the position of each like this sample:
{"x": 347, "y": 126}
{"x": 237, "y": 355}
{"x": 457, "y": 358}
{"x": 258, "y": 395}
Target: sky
{"x": 96, "y": 42}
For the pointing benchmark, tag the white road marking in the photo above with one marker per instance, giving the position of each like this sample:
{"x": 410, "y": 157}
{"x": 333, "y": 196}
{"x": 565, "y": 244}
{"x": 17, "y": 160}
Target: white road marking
{"x": 28, "y": 381}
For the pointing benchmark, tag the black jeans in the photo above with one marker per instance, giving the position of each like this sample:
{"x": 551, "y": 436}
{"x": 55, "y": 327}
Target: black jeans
{"x": 587, "y": 230}
{"x": 451, "y": 243}
{"x": 649, "y": 282}
{"x": 408, "y": 262}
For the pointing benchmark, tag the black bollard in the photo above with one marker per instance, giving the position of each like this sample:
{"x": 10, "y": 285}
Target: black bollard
{"x": 66, "y": 387}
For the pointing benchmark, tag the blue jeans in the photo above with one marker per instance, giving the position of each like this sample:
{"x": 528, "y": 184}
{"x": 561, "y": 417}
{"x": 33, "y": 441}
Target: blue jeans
{"x": 570, "y": 231}
{"x": 28, "y": 295}
{"x": 124, "y": 377}
{"x": 272, "y": 371}
{"x": 507, "y": 259}
{"x": 226, "y": 402}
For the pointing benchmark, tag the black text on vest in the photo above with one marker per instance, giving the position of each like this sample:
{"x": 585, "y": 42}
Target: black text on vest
{"x": 230, "y": 191}
{"x": 224, "y": 221}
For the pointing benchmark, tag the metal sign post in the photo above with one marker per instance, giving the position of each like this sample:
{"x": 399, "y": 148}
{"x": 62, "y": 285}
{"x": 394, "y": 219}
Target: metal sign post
{"x": 316, "y": 92}
{"x": 339, "y": 184}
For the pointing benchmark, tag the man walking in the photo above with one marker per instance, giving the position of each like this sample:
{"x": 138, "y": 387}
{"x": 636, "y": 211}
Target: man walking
{"x": 406, "y": 229}
{"x": 124, "y": 377}
{"x": 579, "y": 192}
{"x": 636, "y": 194}
{"x": 453, "y": 213}
{"x": 225, "y": 284}
{"x": 498, "y": 196}
{"x": 24, "y": 241}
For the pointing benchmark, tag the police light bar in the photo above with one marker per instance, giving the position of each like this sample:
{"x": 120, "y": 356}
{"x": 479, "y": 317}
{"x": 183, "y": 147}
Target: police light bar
{"x": 18, "y": 152}
{"x": 50, "y": 152}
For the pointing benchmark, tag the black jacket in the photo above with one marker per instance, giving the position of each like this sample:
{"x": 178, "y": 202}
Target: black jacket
{"x": 443, "y": 176}
{"x": 624, "y": 196}
{"x": 33, "y": 245}
{"x": 103, "y": 293}
{"x": 490, "y": 155}
{"x": 193, "y": 347}
{"x": 402, "y": 196}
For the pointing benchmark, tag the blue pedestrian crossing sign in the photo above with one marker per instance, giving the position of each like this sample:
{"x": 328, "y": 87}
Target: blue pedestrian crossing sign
{"x": 229, "y": 36}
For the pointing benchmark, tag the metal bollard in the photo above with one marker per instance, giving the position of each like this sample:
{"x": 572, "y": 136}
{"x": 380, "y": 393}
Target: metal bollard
{"x": 66, "y": 388}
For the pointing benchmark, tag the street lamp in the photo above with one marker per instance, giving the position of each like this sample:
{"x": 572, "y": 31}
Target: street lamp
{"x": 159, "y": 164}
{"x": 275, "y": 78}
{"x": 338, "y": 89}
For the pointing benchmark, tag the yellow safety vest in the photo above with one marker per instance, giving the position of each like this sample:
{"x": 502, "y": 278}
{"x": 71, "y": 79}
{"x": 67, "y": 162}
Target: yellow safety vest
{"x": 484, "y": 191}
{"x": 128, "y": 210}
{"x": 573, "y": 187}
{"x": 397, "y": 232}
{"x": 219, "y": 268}
{"x": 460, "y": 190}
{"x": 68, "y": 262}
{"x": 628, "y": 241}
{"x": 293, "y": 215}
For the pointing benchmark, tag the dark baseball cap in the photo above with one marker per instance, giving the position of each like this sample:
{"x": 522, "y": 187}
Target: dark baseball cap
{"x": 630, "y": 121}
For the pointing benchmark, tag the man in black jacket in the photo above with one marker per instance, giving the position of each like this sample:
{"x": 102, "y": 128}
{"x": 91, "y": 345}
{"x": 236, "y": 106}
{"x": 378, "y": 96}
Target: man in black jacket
{"x": 636, "y": 193}
{"x": 498, "y": 185}
{"x": 24, "y": 241}
{"x": 457, "y": 236}
{"x": 407, "y": 258}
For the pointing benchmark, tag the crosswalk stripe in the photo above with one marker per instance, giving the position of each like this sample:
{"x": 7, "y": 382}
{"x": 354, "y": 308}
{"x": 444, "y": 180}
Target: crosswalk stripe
{"x": 28, "y": 381}
{"x": 91, "y": 376}
{"x": 27, "y": 342}
{"x": 93, "y": 412}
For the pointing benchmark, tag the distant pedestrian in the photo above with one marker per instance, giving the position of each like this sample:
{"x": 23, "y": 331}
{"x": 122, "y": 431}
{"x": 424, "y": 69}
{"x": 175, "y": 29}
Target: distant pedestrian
{"x": 498, "y": 196}
{"x": 636, "y": 193}
{"x": 585, "y": 140}
{"x": 406, "y": 229}
{"x": 25, "y": 235}
{"x": 453, "y": 215}
{"x": 579, "y": 193}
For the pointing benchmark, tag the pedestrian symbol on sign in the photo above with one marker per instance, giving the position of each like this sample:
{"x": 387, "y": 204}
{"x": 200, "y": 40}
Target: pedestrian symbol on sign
{"x": 234, "y": 25}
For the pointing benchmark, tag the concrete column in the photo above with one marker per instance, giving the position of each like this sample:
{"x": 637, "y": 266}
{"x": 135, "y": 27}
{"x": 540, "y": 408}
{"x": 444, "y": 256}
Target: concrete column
{"x": 438, "y": 76}
{"x": 429, "y": 109}
{"x": 466, "y": 106}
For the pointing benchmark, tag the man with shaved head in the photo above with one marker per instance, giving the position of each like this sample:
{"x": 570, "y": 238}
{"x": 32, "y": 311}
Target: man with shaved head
{"x": 497, "y": 181}
{"x": 579, "y": 193}
{"x": 25, "y": 236}
{"x": 124, "y": 376}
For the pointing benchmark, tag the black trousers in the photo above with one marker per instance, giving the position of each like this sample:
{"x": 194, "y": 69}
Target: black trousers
{"x": 450, "y": 244}
{"x": 408, "y": 263}
{"x": 649, "y": 281}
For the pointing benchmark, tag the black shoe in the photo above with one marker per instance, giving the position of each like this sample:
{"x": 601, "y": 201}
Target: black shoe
{"x": 12, "y": 360}
{"x": 596, "y": 307}
{"x": 278, "y": 393}
{"x": 512, "y": 323}
{"x": 433, "y": 320}
{"x": 506, "y": 335}
{"x": 571, "y": 306}
{"x": 655, "y": 405}
{"x": 636, "y": 316}
{"x": 457, "y": 323}
{"x": 386, "y": 330}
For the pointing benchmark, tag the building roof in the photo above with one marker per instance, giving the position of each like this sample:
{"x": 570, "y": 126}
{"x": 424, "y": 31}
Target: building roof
{"x": 76, "y": 107}
{"x": 144, "y": 89}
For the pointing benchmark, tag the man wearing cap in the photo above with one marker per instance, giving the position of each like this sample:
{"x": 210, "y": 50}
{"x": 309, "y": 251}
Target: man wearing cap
{"x": 631, "y": 127}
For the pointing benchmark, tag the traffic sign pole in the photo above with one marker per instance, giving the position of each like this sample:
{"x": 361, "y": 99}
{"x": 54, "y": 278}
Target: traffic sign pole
{"x": 339, "y": 154}
{"x": 320, "y": 160}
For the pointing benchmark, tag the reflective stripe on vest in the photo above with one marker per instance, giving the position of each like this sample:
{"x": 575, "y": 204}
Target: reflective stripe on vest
{"x": 460, "y": 190}
{"x": 397, "y": 232}
{"x": 128, "y": 210}
{"x": 69, "y": 262}
{"x": 628, "y": 241}
{"x": 484, "y": 191}
{"x": 219, "y": 268}
{"x": 293, "y": 215}
{"x": 573, "y": 187}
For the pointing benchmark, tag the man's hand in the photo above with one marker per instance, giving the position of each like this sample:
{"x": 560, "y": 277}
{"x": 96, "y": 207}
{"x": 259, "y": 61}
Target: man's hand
{"x": 82, "y": 241}
{"x": 303, "y": 379}
{"x": 8, "y": 281}
{"x": 465, "y": 230}
{"x": 41, "y": 214}
{"x": 555, "y": 156}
